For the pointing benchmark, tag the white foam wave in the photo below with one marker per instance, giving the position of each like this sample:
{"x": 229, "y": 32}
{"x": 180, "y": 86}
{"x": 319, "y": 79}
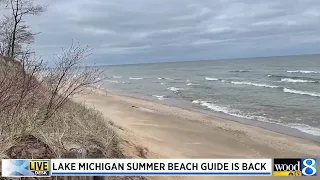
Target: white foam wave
{"x": 305, "y": 128}
{"x": 301, "y": 92}
{"x": 254, "y": 84}
{"x": 296, "y": 80}
{"x": 117, "y": 77}
{"x": 159, "y": 97}
{"x": 162, "y": 78}
{"x": 304, "y": 72}
{"x": 237, "y": 113}
{"x": 229, "y": 111}
{"x": 112, "y": 81}
{"x": 192, "y": 84}
{"x": 162, "y": 83}
{"x": 174, "y": 89}
{"x": 135, "y": 78}
{"x": 211, "y": 79}
{"x": 223, "y": 80}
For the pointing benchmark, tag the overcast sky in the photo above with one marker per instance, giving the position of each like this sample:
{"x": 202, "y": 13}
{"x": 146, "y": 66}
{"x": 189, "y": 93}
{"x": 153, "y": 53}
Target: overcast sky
{"x": 135, "y": 31}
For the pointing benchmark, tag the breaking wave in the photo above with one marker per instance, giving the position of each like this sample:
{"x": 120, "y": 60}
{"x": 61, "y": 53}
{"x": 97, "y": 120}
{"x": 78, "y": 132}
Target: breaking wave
{"x": 305, "y": 128}
{"x": 211, "y": 79}
{"x": 240, "y": 71}
{"x": 174, "y": 89}
{"x": 314, "y": 94}
{"x": 304, "y": 72}
{"x": 237, "y": 113}
{"x": 159, "y": 97}
{"x": 112, "y": 81}
{"x": 254, "y": 84}
{"x": 136, "y": 78}
{"x": 192, "y": 84}
{"x": 296, "y": 80}
{"x": 162, "y": 78}
{"x": 229, "y": 111}
{"x": 117, "y": 77}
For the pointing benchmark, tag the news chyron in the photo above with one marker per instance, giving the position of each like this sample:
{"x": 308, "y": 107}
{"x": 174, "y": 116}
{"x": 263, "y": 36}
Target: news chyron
{"x": 295, "y": 167}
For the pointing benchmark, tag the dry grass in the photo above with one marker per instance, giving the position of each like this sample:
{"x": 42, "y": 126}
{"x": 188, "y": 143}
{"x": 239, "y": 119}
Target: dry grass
{"x": 73, "y": 131}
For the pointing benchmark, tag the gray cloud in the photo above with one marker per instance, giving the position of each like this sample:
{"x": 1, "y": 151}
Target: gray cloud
{"x": 126, "y": 31}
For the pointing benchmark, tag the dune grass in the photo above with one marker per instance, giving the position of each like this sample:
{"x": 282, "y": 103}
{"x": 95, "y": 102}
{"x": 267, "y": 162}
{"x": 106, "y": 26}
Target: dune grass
{"x": 73, "y": 131}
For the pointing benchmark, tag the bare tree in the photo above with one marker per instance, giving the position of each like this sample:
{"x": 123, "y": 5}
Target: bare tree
{"x": 69, "y": 77}
{"x": 21, "y": 33}
{"x": 5, "y": 35}
{"x": 43, "y": 90}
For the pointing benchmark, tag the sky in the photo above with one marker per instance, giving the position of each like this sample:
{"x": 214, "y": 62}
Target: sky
{"x": 139, "y": 31}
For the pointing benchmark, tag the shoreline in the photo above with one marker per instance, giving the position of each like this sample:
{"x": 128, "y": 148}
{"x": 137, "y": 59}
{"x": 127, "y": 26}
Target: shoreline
{"x": 153, "y": 130}
{"x": 173, "y": 132}
{"x": 186, "y": 105}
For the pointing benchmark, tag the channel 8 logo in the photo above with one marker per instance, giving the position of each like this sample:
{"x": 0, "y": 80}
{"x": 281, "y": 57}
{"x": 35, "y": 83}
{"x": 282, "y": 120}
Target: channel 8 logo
{"x": 309, "y": 167}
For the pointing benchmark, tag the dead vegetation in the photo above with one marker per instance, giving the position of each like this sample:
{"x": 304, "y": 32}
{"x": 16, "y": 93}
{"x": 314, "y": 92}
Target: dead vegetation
{"x": 39, "y": 121}
{"x": 37, "y": 118}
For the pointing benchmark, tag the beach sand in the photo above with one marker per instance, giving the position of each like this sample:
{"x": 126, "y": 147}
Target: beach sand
{"x": 162, "y": 131}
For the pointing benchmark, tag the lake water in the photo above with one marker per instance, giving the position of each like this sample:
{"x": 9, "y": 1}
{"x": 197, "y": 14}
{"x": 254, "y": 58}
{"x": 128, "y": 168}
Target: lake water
{"x": 283, "y": 91}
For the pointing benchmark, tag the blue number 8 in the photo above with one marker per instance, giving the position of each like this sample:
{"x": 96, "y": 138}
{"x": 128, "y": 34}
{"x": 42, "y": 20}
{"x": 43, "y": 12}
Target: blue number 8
{"x": 309, "y": 167}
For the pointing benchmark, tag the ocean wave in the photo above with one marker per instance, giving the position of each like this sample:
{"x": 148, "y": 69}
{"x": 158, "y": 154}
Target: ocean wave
{"x": 136, "y": 78}
{"x": 162, "y": 78}
{"x": 174, "y": 89}
{"x": 112, "y": 81}
{"x": 159, "y": 97}
{"x": 162, "y": 83}
{"x": 296, "y": 80}
{"x": 294, "y": 77}
{"x": 304, "y": 72}
{"x": 301, "y": 92}
{"x": 305, "y": 128}
{"x": 230, "y": 111}
{"x": 211, "y": 79}
{"x": 117, "y": 77}
{"x": 240, "y": 71}
{"x": 237, "y": 113}
{"x": 192, "y": 84}
{"x": 254, "y": 84}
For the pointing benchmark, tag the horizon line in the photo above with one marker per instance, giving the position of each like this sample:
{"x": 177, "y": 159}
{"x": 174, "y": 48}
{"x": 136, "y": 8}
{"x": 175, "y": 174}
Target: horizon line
{"x": 241, "y": 58}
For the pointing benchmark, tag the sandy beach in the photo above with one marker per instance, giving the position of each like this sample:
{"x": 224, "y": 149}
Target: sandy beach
{"x": 163, "y": 131}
